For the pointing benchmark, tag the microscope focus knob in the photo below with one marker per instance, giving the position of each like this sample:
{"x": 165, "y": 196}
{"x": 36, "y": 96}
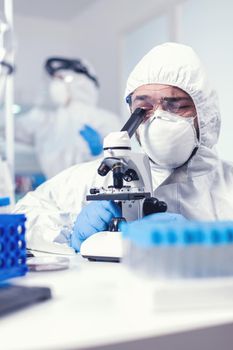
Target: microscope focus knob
{"x": 115, "y": 223}
{"x": 94, "y": 190}
{"x": 153, "y": 205}
{"x": 130, "y": 175}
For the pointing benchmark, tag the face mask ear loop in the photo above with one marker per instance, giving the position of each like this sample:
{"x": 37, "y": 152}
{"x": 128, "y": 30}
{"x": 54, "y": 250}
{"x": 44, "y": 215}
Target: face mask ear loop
{"x": 197, "y": 132}
{"x": 152, "y": 119}
{"x": 193, "y": 118}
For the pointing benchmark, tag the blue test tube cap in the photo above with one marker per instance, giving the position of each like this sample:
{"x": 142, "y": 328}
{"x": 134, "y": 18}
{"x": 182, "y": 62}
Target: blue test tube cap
{"x": 214, "y": 233}
{"x": 172, "y": 236}
{"x": 226, "y": 231}
{"x": 218, "y": 232}
{"x": 189, "y": 236}
{"x": 185, "y": 234}
{"x": 165, "y": 235}
{"x": 157, "y": 238}
{"x": 229, "y": 233}
{"x": 206, "y": 233}
{"x": 190, "y": 233}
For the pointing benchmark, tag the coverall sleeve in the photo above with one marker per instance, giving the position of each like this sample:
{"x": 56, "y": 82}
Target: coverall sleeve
{"x": 27, "y": 125}
{"x": 52, "y": 209}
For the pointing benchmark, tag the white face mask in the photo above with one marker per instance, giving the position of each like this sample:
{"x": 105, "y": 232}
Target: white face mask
{"x": 168, "y": 139}
{"x": 59, "y": 92}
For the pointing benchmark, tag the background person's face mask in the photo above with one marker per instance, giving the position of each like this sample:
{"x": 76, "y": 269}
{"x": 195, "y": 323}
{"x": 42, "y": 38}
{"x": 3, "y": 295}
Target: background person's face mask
{"x": 168, "y": 139}
{"x": 59, "y": 92}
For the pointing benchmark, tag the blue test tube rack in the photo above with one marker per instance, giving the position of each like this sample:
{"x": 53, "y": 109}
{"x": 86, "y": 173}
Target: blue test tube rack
{"x": 180, "y": 250}
{"x": 12, "y": 246}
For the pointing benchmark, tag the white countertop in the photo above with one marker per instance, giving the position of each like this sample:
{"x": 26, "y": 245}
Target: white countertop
{"x": 101, "y": 303}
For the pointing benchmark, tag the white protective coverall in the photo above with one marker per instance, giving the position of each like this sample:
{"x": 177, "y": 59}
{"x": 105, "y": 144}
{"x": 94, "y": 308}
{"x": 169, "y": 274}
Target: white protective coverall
{"x": 55, "y": 134}
{"x": 200, "y": 190}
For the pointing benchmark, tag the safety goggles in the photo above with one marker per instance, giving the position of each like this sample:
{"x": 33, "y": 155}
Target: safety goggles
{"x": 55, "y": 64}
{"x": 180, "y": 105}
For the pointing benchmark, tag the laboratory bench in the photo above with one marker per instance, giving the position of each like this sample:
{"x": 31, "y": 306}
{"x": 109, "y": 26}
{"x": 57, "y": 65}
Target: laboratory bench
{"x": 97, "y": 305}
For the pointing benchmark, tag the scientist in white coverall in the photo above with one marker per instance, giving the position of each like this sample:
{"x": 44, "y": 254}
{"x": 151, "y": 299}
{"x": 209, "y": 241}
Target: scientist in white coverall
{"x": 73, "y": 132}
{"x": 179, "y": 134}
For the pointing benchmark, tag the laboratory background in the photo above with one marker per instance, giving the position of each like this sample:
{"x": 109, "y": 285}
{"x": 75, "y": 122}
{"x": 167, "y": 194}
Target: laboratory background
{"x": 81, "y": 29}
{"x": 68, "y": 63}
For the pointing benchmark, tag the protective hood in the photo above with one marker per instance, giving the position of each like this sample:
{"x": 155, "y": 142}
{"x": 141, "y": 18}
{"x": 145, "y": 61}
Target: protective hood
{"x": 73, "y": 80}
{"x": 83, "y": 89}
{"x": 178, "y": 65}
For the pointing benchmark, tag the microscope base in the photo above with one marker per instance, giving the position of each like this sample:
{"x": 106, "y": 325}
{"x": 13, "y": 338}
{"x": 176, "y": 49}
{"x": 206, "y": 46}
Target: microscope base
{"x": 103, "y": 246}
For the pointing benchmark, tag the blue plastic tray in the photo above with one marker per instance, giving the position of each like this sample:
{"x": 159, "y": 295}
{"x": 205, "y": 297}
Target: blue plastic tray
{"x": 12, "y": 246}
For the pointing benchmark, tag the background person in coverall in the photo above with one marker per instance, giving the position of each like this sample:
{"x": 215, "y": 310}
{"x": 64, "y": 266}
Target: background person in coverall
{"x": 73, "y": 132}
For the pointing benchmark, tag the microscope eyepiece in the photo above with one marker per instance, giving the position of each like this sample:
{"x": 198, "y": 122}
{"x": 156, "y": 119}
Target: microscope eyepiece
{"x": 134, "y": 121}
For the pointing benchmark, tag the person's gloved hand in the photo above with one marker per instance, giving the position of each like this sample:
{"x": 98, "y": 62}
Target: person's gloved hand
{"x": 93, "y": 139}
{"x": 94, "y": 217}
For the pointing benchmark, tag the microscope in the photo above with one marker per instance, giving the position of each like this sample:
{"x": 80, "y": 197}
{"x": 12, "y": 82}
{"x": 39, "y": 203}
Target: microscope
{"x": 131, "y": 187}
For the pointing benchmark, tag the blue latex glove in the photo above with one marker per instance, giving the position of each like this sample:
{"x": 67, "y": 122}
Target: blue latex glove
{"x": 95, "y": 217}
{"x": 93, "y": 139}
